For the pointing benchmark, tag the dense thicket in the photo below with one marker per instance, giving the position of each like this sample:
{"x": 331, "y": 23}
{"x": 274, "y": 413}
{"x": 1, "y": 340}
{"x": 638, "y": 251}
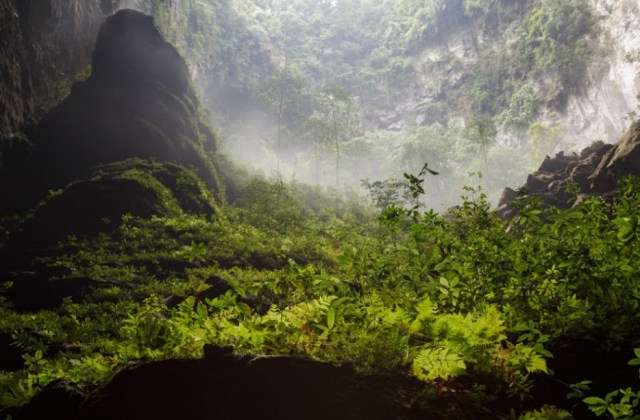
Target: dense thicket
{"x": 464, "y": 300}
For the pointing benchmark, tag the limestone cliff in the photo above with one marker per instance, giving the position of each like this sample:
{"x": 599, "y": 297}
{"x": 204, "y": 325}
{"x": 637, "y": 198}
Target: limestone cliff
{"x": 599, "y": 111}
{"x": 435, "y": 86}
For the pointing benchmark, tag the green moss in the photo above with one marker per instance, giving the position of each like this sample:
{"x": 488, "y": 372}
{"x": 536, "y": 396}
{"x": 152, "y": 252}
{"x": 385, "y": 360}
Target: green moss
{"x": 180, "y": 187}
{"x": 137, "y": 187}
{"x": 60, "y": 90}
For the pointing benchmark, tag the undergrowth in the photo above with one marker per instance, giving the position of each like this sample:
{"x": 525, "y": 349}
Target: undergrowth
{"x": 459, "y": 300}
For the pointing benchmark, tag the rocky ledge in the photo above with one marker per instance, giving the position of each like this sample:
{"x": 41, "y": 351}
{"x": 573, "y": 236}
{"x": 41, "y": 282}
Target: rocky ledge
{"x": 595, "y": 171}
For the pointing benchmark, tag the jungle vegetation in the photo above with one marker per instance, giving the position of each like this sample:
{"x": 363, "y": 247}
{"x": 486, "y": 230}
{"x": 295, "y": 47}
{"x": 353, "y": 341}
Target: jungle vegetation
{"x": 410, "y": 270}
{"x": 461, "y": 299}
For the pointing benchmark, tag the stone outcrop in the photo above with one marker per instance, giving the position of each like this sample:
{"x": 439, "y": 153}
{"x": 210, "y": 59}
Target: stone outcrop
{"x": 137, "y": 103}
{"x": 134, "y": 187}
{"x": 596, "y": 171}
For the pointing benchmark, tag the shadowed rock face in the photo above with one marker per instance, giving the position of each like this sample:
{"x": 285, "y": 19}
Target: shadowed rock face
{"x": 131, "y": 51}
{"x": 138, "y": 102}
{"x": 222, "y": 386}
{"x": 42, "y": 41}
{"x": 596, "y": 171}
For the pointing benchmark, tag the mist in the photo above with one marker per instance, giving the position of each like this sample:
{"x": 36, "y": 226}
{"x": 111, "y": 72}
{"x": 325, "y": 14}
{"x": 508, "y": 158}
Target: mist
{"x": 444, "y": 96}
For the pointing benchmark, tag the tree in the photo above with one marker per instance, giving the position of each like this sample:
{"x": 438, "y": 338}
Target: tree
{"x": 338, "y": 107}
{"x": 481, "y": 129}
{"x": 281, "y": 93}
{"x": 316, "y": 130}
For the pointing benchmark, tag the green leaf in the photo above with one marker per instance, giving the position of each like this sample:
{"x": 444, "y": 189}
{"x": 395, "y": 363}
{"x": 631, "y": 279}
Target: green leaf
{"x": 537, "y": 364}
{"x": 594, "y": 401}
{"x": 627, "y": 228}
{"x": 331, "y": 317}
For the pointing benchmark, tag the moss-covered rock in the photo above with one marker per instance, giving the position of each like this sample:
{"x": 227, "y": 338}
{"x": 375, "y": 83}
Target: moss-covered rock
{"x": 97, "y": 204}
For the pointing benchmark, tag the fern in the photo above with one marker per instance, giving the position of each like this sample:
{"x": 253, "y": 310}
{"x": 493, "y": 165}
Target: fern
{"x": 437, "y": 363}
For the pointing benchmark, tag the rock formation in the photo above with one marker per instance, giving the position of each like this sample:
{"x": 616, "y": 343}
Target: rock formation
{"x": 137, "y": 103}
{"x": 223, "y": 386}
{"x": 97, "y": 204}
{"x": 595, "y": 171}
{"x": 41, "y": 43}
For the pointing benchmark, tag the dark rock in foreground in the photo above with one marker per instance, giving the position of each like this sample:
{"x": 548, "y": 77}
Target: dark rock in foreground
{"x": 54, "y": 403}
{"x": 595, "y": 171}
{"x": 222, "y": 386}
{"x": 33, "y": 292}
{"x": 10, "y": 355}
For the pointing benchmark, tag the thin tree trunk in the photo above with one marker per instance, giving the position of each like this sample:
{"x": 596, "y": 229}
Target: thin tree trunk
{"x": 484, "y": 154}
{"x": 335, "y": 138}
{"x": 315, "y": 152}
{"x": 278, "y": 140}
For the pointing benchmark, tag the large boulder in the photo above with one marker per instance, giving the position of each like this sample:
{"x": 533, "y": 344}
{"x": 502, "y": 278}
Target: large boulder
{"x": 621, "y": 160}
{"x": 596, "y": 171}
{"x": 138, "y": 102}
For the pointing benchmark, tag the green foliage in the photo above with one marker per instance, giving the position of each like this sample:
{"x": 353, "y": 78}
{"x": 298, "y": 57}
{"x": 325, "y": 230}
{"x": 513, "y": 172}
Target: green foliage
{"x": 522, "y": 108}
{"x": 455, "y": 299}
{"x": 434, "y": 363}
{"x": 478, "y": 7}
{"x": 461, "y": 300}
{"x": 458, "y": 341}
{"x": 554, "y": 36}
{"x": 546, "y": 413}
{"x": 60, "y": 90}
{"x": 618, "y": 404}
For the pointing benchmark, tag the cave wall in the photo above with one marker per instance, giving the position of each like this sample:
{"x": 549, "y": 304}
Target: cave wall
{"x": 46, "y": 44}
{"x": 42, "y": 44}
